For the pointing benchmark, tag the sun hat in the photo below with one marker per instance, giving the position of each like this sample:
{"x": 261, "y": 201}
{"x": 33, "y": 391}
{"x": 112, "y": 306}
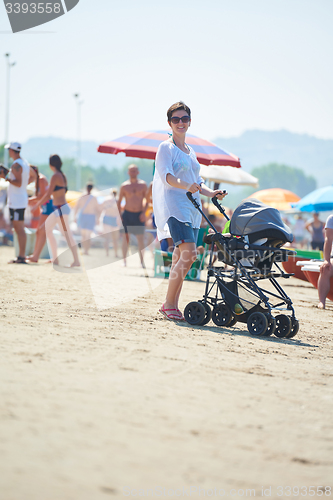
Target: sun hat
{"x": 15, "y": 146}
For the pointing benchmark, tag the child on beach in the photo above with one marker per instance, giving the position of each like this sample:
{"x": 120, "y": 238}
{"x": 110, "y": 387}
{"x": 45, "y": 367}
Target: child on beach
{"x": 178, "y": 171}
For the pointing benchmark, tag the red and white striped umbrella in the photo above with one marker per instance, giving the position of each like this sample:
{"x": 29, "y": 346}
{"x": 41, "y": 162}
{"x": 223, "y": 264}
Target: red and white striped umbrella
{"x": 145, "y": 144}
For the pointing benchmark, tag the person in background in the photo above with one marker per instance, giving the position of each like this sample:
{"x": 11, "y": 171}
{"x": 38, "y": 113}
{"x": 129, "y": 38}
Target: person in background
{"x": 111, "y": 222}
{"x": 299, "y": 232}
{"x": 58, "y": 189}
{"x": 177, "y": 172}
{"x": 5, "y": 230}
{"x": 134, "y": 192}
{"x": 316, "y": 228}
{"x": 18, "y": 178}
{"x": 86, "y": 211}
{"x": 326, "y": 268}
{"x": 42, "y": 185}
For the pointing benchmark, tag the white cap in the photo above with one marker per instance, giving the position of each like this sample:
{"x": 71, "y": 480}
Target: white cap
{"x": 15, "y": 146}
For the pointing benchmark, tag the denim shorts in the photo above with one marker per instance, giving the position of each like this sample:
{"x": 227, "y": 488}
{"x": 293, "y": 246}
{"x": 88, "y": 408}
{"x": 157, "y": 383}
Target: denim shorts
{"x": 182, "y": 232}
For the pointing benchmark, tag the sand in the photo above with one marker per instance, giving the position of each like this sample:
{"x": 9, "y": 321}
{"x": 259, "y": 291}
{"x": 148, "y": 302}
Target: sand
{"x": 102, "y": 400}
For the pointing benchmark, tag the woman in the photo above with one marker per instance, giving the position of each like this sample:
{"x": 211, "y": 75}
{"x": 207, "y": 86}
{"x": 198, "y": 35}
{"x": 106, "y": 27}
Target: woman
{"x": 58, "y": 189}
{"x": 299, "y": 232}
{"x": 111, "y": 222}
{"x": 316, "y": 229}
{"x": 177, "y": 171}
{"x": 42, "y": 185}
{"x": 85, "y": 212}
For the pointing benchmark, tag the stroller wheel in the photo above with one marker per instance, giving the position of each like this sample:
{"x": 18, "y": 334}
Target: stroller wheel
{"x": 195, "y": 313}
{"x": 233, "y": 321}
{"x": 294, "y": 328}
{"x": 208, "y": 314}
{"x": 283, "y": 326}
{"x": 222, "y": 315}
{"x": 257, "y": 323}
{"x": 271, "y": 326}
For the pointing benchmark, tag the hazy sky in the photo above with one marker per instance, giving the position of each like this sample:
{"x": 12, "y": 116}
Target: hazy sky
{"x": 238, "y": 64}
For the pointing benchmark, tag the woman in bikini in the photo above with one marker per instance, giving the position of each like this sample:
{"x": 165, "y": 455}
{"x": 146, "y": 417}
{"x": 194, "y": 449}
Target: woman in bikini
{"x": 178, "y": 171}
{"x": 58, "y": 189}
{"x": 42, "y": 185}
{"x": 316, "y": 228}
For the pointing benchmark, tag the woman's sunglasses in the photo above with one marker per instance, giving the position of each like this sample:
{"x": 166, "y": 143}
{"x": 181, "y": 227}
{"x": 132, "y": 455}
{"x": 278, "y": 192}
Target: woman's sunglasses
{"x": 184, "y": 119}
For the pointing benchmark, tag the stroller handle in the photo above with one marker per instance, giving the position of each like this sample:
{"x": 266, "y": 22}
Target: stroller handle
{"x": 192, "y": 200}
{"x": 197, "y": 206}
{"x": 214, "y": 201}
{"x": 219, "y": 207}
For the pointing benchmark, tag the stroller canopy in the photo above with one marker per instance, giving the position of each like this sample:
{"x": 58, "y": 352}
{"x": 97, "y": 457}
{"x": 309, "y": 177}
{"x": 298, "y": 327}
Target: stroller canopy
{"x": 255, "y": 219}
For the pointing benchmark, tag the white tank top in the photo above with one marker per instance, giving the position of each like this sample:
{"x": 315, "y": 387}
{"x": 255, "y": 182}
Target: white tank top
{"x": 18, "y": 196}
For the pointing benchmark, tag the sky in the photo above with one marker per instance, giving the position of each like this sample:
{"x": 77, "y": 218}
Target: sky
{"x": 239, "y": 64}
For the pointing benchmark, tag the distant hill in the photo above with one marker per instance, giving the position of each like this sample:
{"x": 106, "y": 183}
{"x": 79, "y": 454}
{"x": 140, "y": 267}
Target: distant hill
{"x": 256, "y": 148}
{"x": 38, "y": 149}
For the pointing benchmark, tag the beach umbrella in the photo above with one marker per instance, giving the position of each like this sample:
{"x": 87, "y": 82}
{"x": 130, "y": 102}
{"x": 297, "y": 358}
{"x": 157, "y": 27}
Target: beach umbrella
{"x": 282, "y": 199}
{"x": 228, "y": 175}
{"x": 72, "y": 196}
{"x": 319, "y": 200}
{"x": 145, "y": 144}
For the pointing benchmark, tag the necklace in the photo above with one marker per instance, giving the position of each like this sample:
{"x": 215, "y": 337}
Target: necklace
{"x": 186, "y": 146}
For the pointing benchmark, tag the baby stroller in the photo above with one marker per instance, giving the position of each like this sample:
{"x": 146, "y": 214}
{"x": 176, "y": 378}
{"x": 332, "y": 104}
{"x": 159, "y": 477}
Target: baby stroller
{"x": 251, "y": 253}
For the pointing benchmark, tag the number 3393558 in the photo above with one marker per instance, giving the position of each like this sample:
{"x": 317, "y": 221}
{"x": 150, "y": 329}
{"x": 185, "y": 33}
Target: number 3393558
{"x": 33, "y": 8}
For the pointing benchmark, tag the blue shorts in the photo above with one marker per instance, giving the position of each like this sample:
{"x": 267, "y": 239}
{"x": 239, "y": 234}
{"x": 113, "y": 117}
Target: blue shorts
{"x": 48, "y": 208}
{"x": 110, "y": 221}
{"x": 87, "y": 221}
{"x": 61, "y": 210}
{"x": 182, "y": 232}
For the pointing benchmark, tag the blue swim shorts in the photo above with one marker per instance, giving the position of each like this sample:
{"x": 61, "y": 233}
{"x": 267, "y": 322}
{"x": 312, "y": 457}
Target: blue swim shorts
{"x": 182, "y": 232}
{"x": 47, "y": 208}
{"x": 87, "y": 221}
{"x": 110, "y": 221}
{"x": 61, "y": 210}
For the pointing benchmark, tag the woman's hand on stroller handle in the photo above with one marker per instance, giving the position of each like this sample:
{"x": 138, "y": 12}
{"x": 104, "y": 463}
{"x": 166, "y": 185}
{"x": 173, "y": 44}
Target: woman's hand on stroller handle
{"x": 194, "y": 201}
{"x": 193, "y": 188}
{"x": 219, "y": 194}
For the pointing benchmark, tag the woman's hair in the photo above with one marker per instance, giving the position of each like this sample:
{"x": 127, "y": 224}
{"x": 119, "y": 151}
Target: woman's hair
{"x": 56, "y": 162}
{"x": 176, "y": 107}
{"x": 114, "y": 192}
{"x": 35, "y": 169}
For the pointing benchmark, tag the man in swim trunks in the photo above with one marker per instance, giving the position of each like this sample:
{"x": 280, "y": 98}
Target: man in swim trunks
{"x": 134, "y": 191}
{"x": 86, "y": 210}
{"x": 18, "y": 178}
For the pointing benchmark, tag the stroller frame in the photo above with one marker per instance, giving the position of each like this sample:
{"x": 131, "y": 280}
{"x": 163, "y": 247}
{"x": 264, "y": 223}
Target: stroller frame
{"x": 221, "y": 301}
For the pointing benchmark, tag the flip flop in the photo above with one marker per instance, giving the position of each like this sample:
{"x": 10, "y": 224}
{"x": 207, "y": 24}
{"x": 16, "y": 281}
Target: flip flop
{"x": 181, "y": 315}
{"x": 171, "y": 314}
{"x": 18, "y": 260}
